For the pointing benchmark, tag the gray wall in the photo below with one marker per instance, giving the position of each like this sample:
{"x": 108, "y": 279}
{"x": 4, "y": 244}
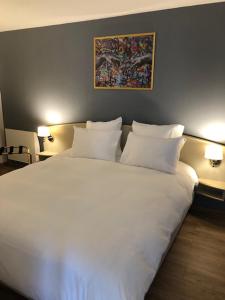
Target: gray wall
{"x": 49, "y": 70}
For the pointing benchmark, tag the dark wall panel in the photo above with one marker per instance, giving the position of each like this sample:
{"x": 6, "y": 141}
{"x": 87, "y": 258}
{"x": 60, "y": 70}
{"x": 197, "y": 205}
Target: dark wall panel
{"x": 46, "y": 74}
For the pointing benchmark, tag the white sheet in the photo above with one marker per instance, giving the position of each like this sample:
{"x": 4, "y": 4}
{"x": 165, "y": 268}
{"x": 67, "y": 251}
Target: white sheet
{"x": 82, "y": 229}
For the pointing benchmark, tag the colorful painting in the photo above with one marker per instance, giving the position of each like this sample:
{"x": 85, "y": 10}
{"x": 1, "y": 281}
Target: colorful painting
{"x": 124, "y": 61}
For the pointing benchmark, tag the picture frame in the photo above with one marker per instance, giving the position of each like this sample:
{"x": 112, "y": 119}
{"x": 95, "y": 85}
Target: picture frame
{"x": 124, "y": 61}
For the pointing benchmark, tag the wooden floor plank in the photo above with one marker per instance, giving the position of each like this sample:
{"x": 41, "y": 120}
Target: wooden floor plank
{"x": 9, "y": 167}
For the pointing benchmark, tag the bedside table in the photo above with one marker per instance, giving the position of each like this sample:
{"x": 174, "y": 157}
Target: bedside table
{"x": 210, "y": 193}
{"x": 212, "y": 189}
{"x": 45, "y": 154}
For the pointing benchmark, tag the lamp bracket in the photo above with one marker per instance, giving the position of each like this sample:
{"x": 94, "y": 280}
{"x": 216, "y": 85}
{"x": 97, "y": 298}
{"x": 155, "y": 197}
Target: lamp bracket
{"x": 215, "y": 163}
{"x": 51, "y": 138}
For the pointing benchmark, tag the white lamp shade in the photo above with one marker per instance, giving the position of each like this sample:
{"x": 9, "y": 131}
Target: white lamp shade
{"x": 43, "y": 131}
{"x": 214, "y": 152}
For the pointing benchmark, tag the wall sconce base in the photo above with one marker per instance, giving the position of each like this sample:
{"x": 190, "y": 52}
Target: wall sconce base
{"x": 51, "y": 138}
{"x": 215, "y": 163}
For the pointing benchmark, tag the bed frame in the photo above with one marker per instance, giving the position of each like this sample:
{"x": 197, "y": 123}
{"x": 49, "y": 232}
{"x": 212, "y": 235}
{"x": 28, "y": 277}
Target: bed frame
{"x": 192, "y": 152}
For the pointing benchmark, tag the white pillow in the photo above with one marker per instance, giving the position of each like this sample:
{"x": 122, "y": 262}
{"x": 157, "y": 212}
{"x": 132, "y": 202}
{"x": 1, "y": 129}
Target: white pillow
{"x": 99, "y": 144}
{"x": 110, "y": 125}
{"x": 154, "y": 153}
{"x": 159, "y": 131}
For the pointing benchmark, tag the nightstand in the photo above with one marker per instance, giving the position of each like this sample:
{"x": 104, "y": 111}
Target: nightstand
{"x": 212, "y": 189}
{"x": 210, "y": 193}
{"x": 45, "y": 154}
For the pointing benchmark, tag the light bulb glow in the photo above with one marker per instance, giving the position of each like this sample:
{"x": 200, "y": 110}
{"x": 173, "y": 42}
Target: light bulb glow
{"x": 214, "y": 152}
{"x": 43, "y": 131}
{"x": 53, "y": 117}
{"x": 214, "y": 132}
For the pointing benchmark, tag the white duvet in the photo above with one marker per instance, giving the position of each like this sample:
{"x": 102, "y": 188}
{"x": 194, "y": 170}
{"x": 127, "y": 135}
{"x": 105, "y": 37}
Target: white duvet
{"x": 82, "y": 229}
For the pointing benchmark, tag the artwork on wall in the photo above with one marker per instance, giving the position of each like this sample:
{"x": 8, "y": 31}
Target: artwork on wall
{"x": 124, "y": 61}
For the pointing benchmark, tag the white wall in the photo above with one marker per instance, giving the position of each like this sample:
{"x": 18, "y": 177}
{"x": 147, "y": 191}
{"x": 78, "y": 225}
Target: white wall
{"x": 2, "y": 131}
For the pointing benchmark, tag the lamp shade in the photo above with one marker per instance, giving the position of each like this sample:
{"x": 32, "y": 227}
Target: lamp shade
{"x": 214, "y": 152}
{"x": 43, "y": 131}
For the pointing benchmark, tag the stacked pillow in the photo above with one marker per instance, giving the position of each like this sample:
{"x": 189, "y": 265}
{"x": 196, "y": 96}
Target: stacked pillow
{"x": 154, "y": 146}
{"x": 151, "y": 146}
{"x": 110, "y": 125}
{"x": 158, "y": 131}
{"x": 99, "y": 140}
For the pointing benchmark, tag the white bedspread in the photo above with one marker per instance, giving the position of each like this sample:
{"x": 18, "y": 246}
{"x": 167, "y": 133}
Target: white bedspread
{"x": 81, "y": 229}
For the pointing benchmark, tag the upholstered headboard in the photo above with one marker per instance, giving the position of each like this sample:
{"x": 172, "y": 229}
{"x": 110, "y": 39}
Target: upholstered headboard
{"x": 192, "y": 152}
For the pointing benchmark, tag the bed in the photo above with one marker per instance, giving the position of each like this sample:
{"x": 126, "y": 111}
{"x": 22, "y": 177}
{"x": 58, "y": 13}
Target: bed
{"x": 87, "y": 229}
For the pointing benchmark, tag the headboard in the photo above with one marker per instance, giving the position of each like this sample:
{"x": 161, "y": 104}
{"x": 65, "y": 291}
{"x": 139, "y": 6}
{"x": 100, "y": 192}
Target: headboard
{"x": 192, "y": 152}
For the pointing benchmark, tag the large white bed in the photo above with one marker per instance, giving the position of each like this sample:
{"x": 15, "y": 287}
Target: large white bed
{"x": 87, "y": 229}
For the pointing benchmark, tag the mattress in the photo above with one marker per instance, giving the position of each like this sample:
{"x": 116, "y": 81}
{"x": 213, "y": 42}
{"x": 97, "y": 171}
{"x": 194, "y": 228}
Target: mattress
{"x": 83, "y": 229}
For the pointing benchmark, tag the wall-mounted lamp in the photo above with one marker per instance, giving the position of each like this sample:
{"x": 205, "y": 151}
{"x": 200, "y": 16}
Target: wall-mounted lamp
{"x": 43, "y": 131}
{"x": 214, "y": 153}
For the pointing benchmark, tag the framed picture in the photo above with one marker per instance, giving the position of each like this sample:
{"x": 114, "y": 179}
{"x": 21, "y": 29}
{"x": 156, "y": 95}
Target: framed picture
{"x": 124, "y": 61}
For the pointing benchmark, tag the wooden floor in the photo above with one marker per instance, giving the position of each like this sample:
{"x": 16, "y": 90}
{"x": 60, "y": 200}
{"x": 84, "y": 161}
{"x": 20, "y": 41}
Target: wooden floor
{"x": 8, "y": 167}
{"x": 194, "y": 269}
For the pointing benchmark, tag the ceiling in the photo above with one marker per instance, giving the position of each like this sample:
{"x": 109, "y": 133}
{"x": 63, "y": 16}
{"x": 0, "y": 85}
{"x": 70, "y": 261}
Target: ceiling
{"x": 18, "y": 14}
